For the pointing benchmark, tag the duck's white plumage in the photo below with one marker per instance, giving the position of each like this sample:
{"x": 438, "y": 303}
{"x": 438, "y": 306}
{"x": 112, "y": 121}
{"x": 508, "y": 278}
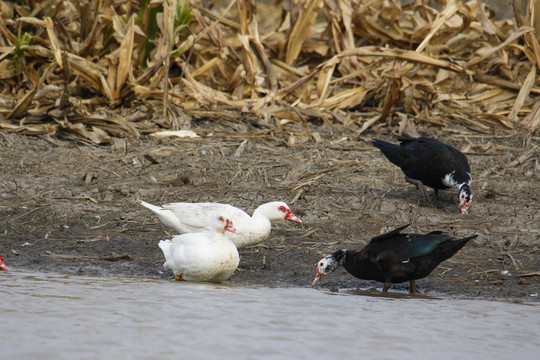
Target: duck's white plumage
{"x": 252, "y": 230}
{"x": 202, "y": 256}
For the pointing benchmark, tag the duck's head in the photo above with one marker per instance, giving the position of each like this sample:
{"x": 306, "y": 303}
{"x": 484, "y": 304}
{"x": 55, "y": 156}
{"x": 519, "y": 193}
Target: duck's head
{"x": 465, "y": 198}
{"x": 328, "y": 264}
{"x": 277, "y": 210}
{"x": 2, "y": 265}
{"x": 224, "y": 224}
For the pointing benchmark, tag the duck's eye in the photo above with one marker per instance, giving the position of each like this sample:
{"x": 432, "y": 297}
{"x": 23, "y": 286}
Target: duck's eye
{"x": 282, "y": 208}
{"x": 321, "y": 264}
{"x": 221, "y": 219}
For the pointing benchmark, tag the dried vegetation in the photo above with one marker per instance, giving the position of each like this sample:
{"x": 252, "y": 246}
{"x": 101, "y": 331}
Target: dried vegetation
{"x": 94, "y": 70}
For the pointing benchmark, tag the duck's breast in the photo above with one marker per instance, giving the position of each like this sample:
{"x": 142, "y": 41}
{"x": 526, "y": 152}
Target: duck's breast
{"x": 205, "y": 260}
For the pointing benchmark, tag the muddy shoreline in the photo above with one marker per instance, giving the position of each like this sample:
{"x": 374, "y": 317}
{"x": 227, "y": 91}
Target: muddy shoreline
{"x": 71, "y": 208}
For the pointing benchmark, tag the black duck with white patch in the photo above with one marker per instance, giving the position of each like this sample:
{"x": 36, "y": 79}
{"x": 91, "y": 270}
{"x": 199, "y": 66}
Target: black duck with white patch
{"x": 429, "y": 162}
{"x": 394, "y": 257}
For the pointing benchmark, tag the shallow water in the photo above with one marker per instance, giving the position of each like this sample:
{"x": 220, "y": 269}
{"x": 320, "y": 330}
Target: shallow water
{"x": 55, "y": 316}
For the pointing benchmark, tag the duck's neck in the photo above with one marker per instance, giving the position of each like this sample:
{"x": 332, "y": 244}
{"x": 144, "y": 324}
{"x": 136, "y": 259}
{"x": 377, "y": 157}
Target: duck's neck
{"x": 260, "y": 223}
{"x": 336, "y": 260}
{"x": 451, "y": 181}
{"x": 216, "y": 234}
{"x": 342, "y": 257}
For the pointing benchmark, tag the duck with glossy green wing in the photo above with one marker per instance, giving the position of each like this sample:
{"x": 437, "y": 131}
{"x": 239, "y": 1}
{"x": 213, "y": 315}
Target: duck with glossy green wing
{"x": 394, "y": 257}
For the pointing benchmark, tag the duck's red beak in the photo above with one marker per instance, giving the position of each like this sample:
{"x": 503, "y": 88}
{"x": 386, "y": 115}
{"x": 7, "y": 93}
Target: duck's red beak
{"x": 318, "y": 277}
{"x": 290, "y": 216}
{"x": 230, "y": 227}
{"x": 2, "y": 265}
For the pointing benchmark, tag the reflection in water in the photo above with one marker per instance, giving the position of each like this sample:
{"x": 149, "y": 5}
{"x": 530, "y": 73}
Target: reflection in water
{"x": 75, "y": 317}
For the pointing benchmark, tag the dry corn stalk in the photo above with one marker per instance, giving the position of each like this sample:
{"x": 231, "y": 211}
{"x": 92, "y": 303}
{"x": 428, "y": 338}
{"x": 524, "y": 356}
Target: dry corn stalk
{"x": 301, "y": 28}
{"x": 332, "y": 59}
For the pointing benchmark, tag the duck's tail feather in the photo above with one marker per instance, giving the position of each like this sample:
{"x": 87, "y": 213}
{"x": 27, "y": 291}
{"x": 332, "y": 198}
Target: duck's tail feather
{"x": 166, "y": 247}
{"x": 166, "y": 216}
{"x": 395, "y": 153}
{"x": 447, "y": 249}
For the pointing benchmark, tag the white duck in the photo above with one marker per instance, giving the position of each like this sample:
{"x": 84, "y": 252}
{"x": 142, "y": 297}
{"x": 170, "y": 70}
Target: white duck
{"x": 252, "y": 230}
{"x": 203, "y": 256}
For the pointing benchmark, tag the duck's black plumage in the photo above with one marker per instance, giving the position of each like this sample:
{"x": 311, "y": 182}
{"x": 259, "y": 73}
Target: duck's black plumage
{"x": 431, "y": 163}
{"x": 394, "y": 257}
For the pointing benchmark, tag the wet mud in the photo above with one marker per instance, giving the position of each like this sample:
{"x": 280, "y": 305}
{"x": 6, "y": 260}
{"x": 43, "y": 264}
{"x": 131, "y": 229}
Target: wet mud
{"x": 69, "y": 207}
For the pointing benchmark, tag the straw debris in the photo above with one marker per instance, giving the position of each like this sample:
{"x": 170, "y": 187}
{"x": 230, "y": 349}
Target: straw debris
{"x": 79, "y": 69}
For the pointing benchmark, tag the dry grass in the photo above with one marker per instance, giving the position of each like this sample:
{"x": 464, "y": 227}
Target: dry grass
{"x": 93, "y": 70}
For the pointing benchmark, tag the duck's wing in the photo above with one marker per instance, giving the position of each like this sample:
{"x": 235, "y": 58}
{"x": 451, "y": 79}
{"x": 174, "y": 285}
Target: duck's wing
{"x": 416, "y": 245}
{"x": 396, "y": 154}
{"x": 415, "y": 155}
{"x": 198, "y": 216}
{"x": 389, "y": 235}
{"x": 431, "y": 160}
{"x": 406, "y": 246}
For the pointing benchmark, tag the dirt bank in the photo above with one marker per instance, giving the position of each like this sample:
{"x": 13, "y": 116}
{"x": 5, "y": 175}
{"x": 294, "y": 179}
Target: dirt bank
{"x": 71, "y": 208}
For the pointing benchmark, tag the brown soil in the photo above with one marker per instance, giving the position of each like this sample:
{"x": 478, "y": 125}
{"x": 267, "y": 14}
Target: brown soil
{"x": 71, "y": 208}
